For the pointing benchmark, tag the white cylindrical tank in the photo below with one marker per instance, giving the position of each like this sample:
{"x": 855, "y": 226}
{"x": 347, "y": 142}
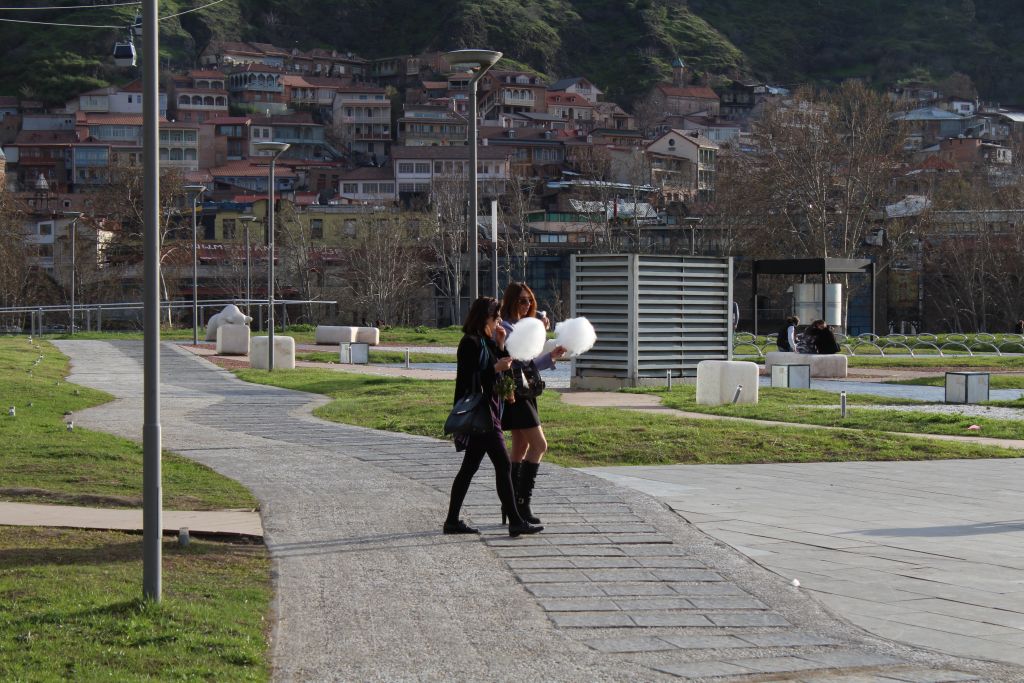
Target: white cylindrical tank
{"x": 807, "y": 303}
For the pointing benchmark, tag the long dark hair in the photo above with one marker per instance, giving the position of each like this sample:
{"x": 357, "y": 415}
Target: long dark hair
{"x": 510, "y": 301}
{"x": 482, "y": 310}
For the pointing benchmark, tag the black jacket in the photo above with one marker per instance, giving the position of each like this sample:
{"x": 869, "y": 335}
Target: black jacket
{"x": 469, "y": 365}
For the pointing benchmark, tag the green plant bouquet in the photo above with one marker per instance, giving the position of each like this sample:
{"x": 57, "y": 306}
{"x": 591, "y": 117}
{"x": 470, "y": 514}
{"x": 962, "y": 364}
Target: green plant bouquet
{"x": 505, "y": 387}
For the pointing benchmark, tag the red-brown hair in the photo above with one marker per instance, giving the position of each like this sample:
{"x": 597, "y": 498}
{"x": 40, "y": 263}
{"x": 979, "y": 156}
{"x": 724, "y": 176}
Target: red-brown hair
{"x": 510, "y": 301}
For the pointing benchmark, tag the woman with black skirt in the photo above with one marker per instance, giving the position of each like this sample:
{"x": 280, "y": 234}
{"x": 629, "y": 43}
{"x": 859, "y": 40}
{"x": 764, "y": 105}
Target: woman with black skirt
{"x": 482, "y": 354}
{"x": 521, "y": 418}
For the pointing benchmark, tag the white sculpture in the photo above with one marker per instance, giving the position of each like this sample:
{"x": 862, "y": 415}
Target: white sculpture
{"x": 230, "y": 315}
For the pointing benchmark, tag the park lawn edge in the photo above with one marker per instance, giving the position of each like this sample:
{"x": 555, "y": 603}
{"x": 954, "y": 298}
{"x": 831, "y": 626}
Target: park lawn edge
{"x": 581, "y": 437}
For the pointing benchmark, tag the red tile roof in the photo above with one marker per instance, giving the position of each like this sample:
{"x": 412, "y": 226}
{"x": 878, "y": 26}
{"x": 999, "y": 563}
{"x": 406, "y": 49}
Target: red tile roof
{"x": 701, "y": 92}
{"x": 46, "y": 137}
{"x": 250, "y": 169}
{"x": 206, "y": 74}
{"x": 369, "y": 173}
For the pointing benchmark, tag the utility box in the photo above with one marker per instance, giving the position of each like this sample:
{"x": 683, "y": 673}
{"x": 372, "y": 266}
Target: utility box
{"x": 345, "y": 352}
{"x": 360, "y": 353}
{"x": 655, "y": 317}
{"x": 791, "y": 376}
{"x": 966, "y": 387}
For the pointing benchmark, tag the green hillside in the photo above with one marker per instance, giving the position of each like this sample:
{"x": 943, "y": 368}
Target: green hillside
{"x": 624, "y": 45}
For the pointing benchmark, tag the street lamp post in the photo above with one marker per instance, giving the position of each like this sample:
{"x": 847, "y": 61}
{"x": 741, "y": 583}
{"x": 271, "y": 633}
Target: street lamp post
{"x": 196, "y": 192}
{"x": 74, "y": 216}
{"x": 276, "y": 149}
{"x": 477, "y": 62}
{"x": 246, "y": 220}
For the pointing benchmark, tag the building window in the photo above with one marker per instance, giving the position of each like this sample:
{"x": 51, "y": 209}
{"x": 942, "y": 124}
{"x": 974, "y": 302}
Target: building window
{"x": 228, "y": 228}
{"x": 350, "y": 227}
{"x": 422, "y": 168}
{"x": 405, "y": 167}
{"x": 46, "y": 229}
{"x": 349, "y": 188}
{"x": 316, "y": 229}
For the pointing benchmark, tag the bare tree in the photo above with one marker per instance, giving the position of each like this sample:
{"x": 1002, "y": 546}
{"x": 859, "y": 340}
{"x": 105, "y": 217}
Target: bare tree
{"x": 445, "y": 235}
{"x": 516, "y": 207}
{"x": 15, "y": 264}
{"x": 386, "y": 267}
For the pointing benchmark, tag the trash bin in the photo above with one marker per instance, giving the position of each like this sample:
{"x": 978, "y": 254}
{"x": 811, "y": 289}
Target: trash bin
{"x": 966, "y": 387}
{"x": 791, "y": 376}
{"x": 360, "y": 353}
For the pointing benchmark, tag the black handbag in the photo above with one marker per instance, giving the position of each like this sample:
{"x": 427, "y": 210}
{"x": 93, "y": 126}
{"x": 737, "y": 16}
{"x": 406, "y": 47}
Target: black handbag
{"x": 471, "y": 414}
{"x": 528, "y": 381}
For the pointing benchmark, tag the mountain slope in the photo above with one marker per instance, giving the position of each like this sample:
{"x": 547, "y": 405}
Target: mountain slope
{"x": 623, "y": 45}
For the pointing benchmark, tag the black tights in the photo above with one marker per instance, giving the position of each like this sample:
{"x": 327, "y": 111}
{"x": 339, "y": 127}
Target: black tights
{"x": 493, "y": 444}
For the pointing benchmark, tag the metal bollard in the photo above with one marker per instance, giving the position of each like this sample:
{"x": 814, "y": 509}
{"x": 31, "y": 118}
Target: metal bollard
{"x": 407, "y": 358}
{"x": 842, "y": 404}
{"x": 736, "y": 396}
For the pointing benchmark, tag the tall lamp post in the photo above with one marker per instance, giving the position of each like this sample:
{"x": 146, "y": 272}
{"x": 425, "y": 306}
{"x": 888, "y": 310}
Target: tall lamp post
{"x": 246, "y": 220}
{"x": 477, "y": 62}
{"x": 196, "y": 191}
{"x": 74, "y": 216}
{"x": 152, "y": 489}
{"x": 276, "y": 149}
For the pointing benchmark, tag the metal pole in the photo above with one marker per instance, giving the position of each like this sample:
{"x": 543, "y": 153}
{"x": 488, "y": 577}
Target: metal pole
{"x": 474, "y": 260}
{"x": 270, "y": 272}
{"x": 74, "y": 224}
{"x": 195, "y": 273}
{"x": 152, "y": 522}
{"x": 248, "y": 273}
{"x": 494, "y": 241}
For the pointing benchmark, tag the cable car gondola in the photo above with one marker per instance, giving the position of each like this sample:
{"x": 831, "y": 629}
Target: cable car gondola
{"x": 124, "y": 54}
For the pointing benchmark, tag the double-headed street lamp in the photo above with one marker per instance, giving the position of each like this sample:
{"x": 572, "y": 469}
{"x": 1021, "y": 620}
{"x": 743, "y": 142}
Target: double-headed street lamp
{"x": 196, "y": 191}
{"x": 276, "y": 149}
{"x": 74, "y": 216}
{"x": 477, "y": 62}
{"x": 246, "y": 220}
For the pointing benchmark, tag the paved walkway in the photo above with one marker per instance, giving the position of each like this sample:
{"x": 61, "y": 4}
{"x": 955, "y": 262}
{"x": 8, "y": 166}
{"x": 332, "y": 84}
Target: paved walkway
{"x": 220, "y": 522}
{"x": 615, "y": 589}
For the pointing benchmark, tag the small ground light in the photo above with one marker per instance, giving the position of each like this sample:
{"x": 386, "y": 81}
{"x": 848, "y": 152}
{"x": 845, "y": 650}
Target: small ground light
{"x": 842, "y": 403}
{"x": 71, "y": 425}
{"x": 10, "y": 411}
{"x": 183, "y": 537}
{"x": 736, "y": 396}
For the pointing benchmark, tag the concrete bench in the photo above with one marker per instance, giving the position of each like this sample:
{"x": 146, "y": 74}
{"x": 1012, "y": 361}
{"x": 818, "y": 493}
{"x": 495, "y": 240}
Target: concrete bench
{"x": 717, "y": 381}
{"x": 368, "y": 335}
{"x": 233, "y": 340}
{"x": 335, "y": 334}
{"x": 284, "y": 353}
{"x": 827, "y": 365}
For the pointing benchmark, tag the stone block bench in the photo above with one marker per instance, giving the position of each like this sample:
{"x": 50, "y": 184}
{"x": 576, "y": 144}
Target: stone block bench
{"x": 284, "y": 353}
{"x": 338, "y": 334}
{"x": 233, "y": 340}
{"x": 828, "y": 365}
{"x": 717, "y": 381}
{"x": 335, "y": 334}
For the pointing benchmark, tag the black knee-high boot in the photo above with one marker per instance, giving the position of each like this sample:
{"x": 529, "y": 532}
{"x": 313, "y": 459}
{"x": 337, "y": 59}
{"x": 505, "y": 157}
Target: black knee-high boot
{"x": 524, "y": 489}
{"x": 514, "y": 473}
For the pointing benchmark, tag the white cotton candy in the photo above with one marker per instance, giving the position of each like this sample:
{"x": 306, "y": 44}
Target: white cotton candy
{"x": 577, "y": 335}
{"x": 526, "y": 340}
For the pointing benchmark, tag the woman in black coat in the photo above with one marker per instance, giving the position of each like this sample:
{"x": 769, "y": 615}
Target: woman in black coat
{"x": 482, "y": 355}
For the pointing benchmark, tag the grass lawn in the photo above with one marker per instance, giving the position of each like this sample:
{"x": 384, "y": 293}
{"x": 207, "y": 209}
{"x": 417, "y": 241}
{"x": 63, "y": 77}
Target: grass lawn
{"x": 802, "y": 406}
{"x": 381, "y": 357}
{"x": 999, "y": 362}
{"x": 303, "y": 334}
{"x": 995, "y": 381}
{"x": 43, "y": 462}
{"x": 71, "y": 608}
{"x": 580, "y": 437}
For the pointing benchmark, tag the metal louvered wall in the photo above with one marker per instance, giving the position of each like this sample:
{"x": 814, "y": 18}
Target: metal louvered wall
{"x": 652, "y": 314}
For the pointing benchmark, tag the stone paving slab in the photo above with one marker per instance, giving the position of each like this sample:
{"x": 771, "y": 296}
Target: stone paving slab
{"x": 367, "y": 588}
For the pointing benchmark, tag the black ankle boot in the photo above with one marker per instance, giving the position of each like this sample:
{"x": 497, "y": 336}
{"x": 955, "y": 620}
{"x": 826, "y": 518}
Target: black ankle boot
{"x": 517, "y": 527}
{"x": 524, "y": 490}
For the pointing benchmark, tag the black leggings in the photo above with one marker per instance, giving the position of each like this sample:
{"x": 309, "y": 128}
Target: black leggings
{"x": 493, "y": 444}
